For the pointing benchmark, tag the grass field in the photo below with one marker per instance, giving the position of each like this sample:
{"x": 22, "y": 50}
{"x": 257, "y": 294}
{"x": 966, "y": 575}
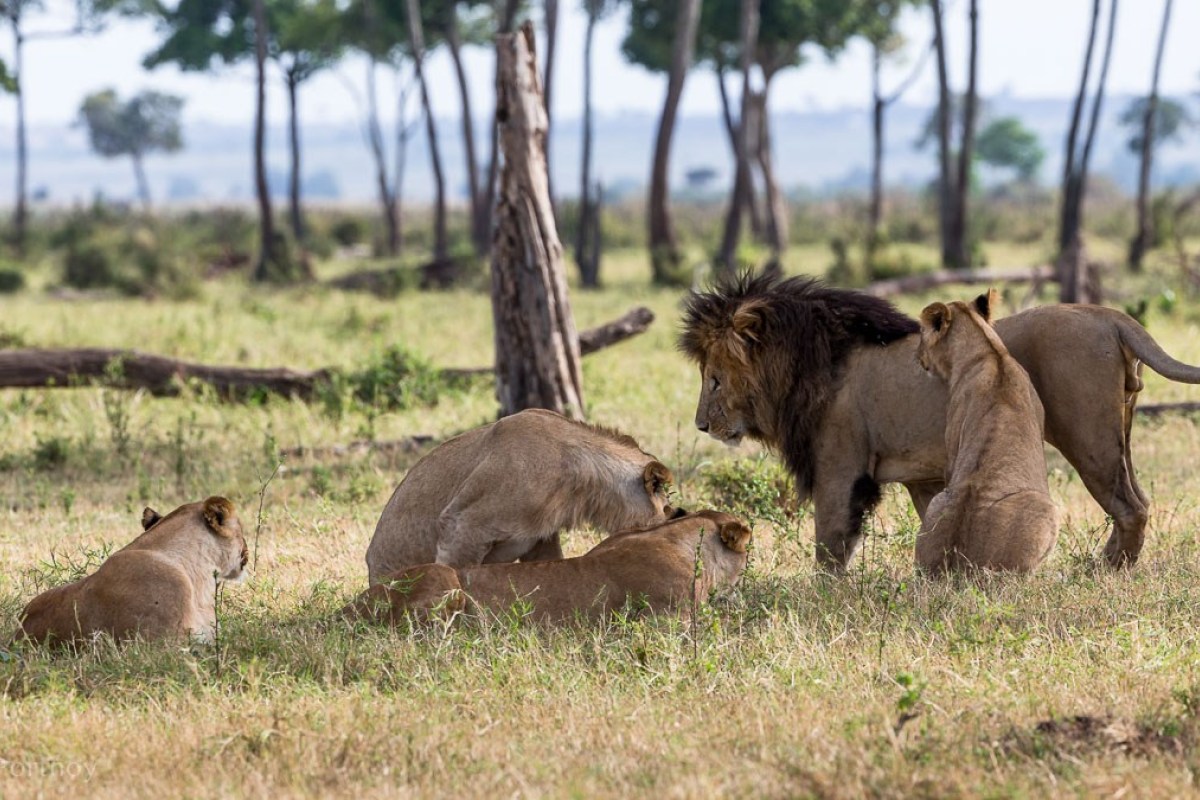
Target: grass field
{"x": 1076, "y": 681}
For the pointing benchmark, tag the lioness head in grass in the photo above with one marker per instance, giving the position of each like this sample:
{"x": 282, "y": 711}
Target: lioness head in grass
{"x": 939, "y": 347}
{"x": 161, "y": 584}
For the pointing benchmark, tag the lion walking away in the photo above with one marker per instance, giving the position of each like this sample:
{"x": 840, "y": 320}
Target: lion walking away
{"x": 829, "y": 379}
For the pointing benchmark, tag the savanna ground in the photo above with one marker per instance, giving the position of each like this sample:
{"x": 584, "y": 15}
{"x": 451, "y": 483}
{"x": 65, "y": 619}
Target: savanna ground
{"x": 1076, "y": 681}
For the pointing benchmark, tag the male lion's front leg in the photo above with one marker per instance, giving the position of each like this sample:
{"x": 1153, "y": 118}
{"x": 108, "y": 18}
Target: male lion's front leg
{"x": 841, "y": 506}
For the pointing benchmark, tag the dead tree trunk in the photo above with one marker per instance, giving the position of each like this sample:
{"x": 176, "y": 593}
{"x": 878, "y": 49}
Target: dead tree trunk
{"x": 1145, "y": 226}
{"x": 960, "y": 234}
{"x": 537, "y": 347}
{"x": 944, "y": 111}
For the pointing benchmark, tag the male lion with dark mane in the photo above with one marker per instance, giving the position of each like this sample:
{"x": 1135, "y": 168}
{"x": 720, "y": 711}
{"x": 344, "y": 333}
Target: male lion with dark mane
{"x": 162, "y": 584}
{"x": 662, "y": 569}
{"x": 829, "y": 379}
{"x": 995, "y": 512}
{"x": 504, "y": 491}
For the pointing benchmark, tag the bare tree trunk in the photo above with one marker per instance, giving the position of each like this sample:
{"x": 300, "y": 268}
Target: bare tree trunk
{"x": 265, "y": 268}
{"x": 294, "y": 135}
{"x": 960, "y": 236}
{"x": 403, "y": 132}
{"x": 1073, "y": 277}
{"x": 387, "y": 200}
{"x": 139, "y": 173}
{"x": 21, "y": 213}
{"x": 479, "y": 233}
{"x": 777, "y": 213}
{"x": 551, "y": 13}
{"x": 748, "y": 37}
{"x": 537, "y": 347}
{"x": 507, "y": 12}
{"x": 417, "y": 37}
{"x": 875, "y": 213}
{"x": 1068, "y": 217}
{"x": 945, "y": 178}
{"x": 587, "y": 272}
{"x": 731, "y": 128}
{"x": 664, "y": 248}
{"x": 1145, "y": 230}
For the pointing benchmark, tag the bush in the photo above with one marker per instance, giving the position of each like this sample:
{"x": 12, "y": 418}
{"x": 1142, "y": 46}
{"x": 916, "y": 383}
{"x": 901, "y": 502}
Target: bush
{"x": 12, "y": 280}
{"x": 348, "y": 231}
{"x": 128, "y": 256}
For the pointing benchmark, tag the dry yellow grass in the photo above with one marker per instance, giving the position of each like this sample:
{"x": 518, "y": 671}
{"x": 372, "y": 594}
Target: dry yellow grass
{"x": 879, "y": 684}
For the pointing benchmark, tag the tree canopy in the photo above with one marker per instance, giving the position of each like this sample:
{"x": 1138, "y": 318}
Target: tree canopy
{"x": 146, "y": 123}
{"x": 1006, "y": 143}
{"x": 1171, "y": 119}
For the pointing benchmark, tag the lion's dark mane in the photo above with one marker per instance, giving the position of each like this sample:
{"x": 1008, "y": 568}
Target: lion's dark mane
{"x": 804, "y": 333}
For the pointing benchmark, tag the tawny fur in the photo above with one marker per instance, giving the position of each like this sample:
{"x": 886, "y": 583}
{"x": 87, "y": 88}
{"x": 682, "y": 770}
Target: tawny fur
{"x": 653, "y": 569}
{"x": 505, "y": 491}
{"x": 160, "y": 585}
{"x": 830, "y": 380}
{"x": 995, "y": 512}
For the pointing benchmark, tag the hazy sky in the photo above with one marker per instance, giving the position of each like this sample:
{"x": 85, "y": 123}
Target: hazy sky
{"x": 1030, "y": 48}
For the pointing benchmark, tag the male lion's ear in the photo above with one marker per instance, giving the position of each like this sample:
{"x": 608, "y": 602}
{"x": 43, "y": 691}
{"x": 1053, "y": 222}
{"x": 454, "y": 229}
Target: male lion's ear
{"x": 656, "y": 477}
{"x": 748, "y": 319}
{"x": 218, "y": 512}
{"x": 985, "y": 304}
{"x": 150, "y": 518}
{"x": 936, "y": 316}
{"x": 734, "y": 535}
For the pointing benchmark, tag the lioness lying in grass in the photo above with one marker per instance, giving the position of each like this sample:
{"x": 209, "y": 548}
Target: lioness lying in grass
{"x": 996, "y": 511}
{"x": 663, "y": 569}
{"x": 162, "y": 584}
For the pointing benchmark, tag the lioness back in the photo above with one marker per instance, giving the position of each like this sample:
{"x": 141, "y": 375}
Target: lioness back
{"x": 496, "y": 492}
{"x": 159, "y": 585}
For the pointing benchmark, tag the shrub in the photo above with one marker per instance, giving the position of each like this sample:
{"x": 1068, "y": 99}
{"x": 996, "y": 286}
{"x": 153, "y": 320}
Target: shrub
{"x": 12, "y": 280}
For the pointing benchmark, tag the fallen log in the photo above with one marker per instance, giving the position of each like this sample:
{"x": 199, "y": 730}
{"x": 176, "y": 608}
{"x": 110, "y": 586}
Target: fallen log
{"x": 28, "y": 368}
{"x": 931, "y": 280}
{"x": 1158, "y": 409}
{"x": 407, "y": 445}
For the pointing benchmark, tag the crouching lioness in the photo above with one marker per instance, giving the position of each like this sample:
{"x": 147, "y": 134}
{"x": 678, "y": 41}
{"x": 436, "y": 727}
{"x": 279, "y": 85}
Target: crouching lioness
{"x": 653, "y": 568}
{"x": 159, "y": 585}
{"x": 504, "y": 491}
{"x": 996, "y": 511}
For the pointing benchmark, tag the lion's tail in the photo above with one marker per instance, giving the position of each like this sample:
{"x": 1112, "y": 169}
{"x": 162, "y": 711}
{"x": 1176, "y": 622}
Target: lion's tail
{"x": 1138, "y": 340}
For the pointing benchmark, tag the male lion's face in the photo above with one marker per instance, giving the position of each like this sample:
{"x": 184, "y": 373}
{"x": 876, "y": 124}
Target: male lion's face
{"x": 724, "y": 411}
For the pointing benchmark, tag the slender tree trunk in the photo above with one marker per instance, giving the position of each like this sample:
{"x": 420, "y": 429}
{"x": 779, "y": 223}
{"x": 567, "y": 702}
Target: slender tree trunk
{"x": 551, "y": 12}
{"x": 945, "y": 179}
{"x": 139, "y": 173}
{"x": 387, "y": 201}
{"x": 403, "y": 131}
{"x": 960, "y": 234}
{"x": 537, "y": 347}
{"x": 506, "y": 10}
{"x": 265, "y": 268}
{"x": 748, "y": 37}
{"x": 731, "y": 128}
{"x": 1072, "y": 261}
{"x": 777, "y": 215}
{"x": 479, "y": 233}
{"x": 1145, "y": 230}
{"x": 582, "y": 252}
{"x": 1068, "y": 222}
{"x": 875, "y": 213}
{"x": 294, "y": 134}
{"x": 664, "y": 248}
{"x": 21, "y": 213}
{"x": 417, "y": 39}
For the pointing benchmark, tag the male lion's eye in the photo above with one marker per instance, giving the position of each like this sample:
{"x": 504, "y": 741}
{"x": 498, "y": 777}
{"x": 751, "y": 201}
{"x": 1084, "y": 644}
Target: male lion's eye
{"x": 716, "y": 384}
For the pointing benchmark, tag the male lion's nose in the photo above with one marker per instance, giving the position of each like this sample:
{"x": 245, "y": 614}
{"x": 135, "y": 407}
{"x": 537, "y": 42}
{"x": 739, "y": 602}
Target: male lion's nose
{"x": 702, "y": 426}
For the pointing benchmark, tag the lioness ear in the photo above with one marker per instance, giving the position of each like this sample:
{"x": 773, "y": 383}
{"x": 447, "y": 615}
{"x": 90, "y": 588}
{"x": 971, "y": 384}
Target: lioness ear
{"x": 656, "y": 477}
{"x": 150, "y": 518}
{"x": 936, "y": 316}
{"x": 734, "y": 535}
{"x": 218, "y": 513}
{"x": 986, "y": 303}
